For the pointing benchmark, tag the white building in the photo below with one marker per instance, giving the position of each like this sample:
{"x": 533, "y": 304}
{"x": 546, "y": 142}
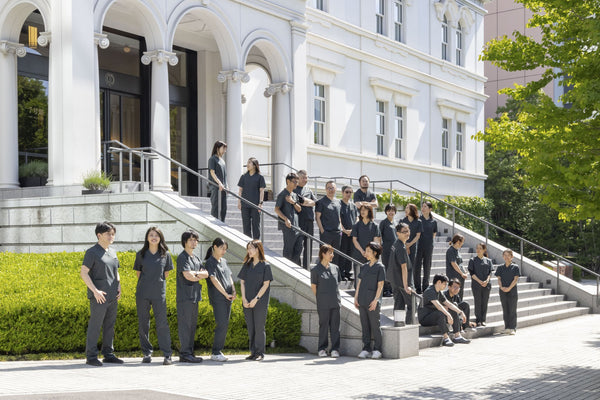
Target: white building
{"x": 388, "y": 88}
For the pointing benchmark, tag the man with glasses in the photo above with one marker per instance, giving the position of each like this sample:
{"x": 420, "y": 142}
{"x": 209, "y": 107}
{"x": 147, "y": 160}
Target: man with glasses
{"x": 348, "y": 217}
{"x": 306, "y": 216}
{"x": 363, "y": 196}
{"x": 399, "y": 273}
{"x": 287, "y": 208}
{"x": 327, "y": 213}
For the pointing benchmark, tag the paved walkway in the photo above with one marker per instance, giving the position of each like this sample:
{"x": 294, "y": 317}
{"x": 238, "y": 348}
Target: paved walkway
{"x": 559, "y": 360}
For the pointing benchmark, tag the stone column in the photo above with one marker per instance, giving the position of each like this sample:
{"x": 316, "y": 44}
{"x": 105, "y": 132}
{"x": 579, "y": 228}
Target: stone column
{"x": 281, "y": 137}
{"x": 299, "y": 115}
{"x": 101, "y": 40}
{"x": 160, "y": 126}
{"x": 9, "y": 114}
{"x": 233, "y": 125}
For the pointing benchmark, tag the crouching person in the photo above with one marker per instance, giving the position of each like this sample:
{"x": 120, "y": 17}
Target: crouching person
{"x": 453, "y": 297}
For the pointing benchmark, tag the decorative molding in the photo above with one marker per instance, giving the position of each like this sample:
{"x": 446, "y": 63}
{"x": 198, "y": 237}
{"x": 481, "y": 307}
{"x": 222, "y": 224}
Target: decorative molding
{"x": 277, "y": 88}
{"x": 322, "y": 71}
{"x": 44, "y": 38}
{"x": 390, "y": 91}
{"x": 392, "y": 49}
{"x": 101, "y": 40}
{"x": 159, "y": 56}
{"x": 233, "y": 75}
{"x": 7, "y": 47}
{"x": 455, "y": 14}
{"x": 453, "y": 110}
{"x": 299, "y": 26}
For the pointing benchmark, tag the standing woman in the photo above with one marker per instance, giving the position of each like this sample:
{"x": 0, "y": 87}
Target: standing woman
{"x": 425, "y": 247}
{"x": 221, "y": 293}
{"x": 508, "y": 276}
{"x": 480, "y": 269}
{"x": 388, "y": 237}
{"x": 252, "y": 188}
{"x": 454, "y": 261}
{"x": 364, "y": 232}
{"x": 324, "y": 280}
{"x": 367, "y": 300}
{"x": 152, "y": 266}
{"x": 218, "y": 174}
{"x": 415, "y": 226}
{"x": 255, "y": 278}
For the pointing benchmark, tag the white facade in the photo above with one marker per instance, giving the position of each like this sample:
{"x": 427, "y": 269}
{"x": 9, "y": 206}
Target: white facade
{"x": 258, "y": 62}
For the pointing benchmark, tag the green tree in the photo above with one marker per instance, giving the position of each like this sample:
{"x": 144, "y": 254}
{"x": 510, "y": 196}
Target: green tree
{"x": 33, "y": 114}
{"x": 558, "y": 147}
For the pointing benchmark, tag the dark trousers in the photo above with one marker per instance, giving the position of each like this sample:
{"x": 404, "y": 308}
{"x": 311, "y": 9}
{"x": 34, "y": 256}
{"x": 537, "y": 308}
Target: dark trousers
{"x": 402, "y": 300}
{"x": 222, "y": 311}
{"x": 102, "y": 316}
{"x": 435, "y": 318}
{"x": 162, "y": 325}
{"x": 346, "y": 247}
{"x": 329, "y": 324}
{"x": 292, "y": 244}
{"x": 423, "y": 258}
{"x": 251, "y": 222}
{"x": 509, "y": 308}
{"x": 308, "y": 227}
{"x": 481, "y": 296}
{"x": 214, "y": 203}
{"x": 187, "y": 318}
{"x": 371, "y": 325}
{"x": 334, "y": 239}
{"x": 256, "y": 319}
{"x": 456, "y": 325}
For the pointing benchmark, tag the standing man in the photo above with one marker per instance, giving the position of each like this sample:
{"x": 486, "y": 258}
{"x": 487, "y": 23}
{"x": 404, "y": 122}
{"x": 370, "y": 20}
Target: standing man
{"x": 425, "y": 247}
{"x": 327, "y": 213}
{"x": 100, "y": 272}
{"x": 287, "y": 208}
{"x": 348, "y": 217}
{"x": 306, "y": 217}
{"x": 399, "y": 273}
{"x": 363, "y": 196}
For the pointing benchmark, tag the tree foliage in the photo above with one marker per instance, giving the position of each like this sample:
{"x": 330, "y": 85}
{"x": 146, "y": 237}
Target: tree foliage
{"x": 33, "y": 114}
{"x": 558, "y": 147}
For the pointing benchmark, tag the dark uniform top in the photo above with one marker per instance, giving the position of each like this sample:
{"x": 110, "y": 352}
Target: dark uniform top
{"x": 327, "y": 281}
{"x": 104, "y": 269}
{"x": 415, "y": 227}
{"x": 188, "y": 290}
{"x": 222, "y": 273}
{"x": 481, "y": 268}
{"x": 307, "y": 213}
{"x": 429, "y": 295}
{"x": 330, "y": 213}
{"x": 507, "y": 274}
{"x": 359, "y": 195}
{"x": 388, "y": 237}
{"x": 452, "y": 299}
{"x": 348, "y": 214}
{"x": 429, "y": 227}
{"x": 398, "y": 256}
{"x": 152, "y": 283}
{"x": 218, "y": 165}
{"x": 251, "y": 185}
{"x": 286, "y": 208}
{"x": 370, "y": 276}
{"x": 365, "y": 233}
{"x": 452, "y": 254}
{"x": 254, "y": 277}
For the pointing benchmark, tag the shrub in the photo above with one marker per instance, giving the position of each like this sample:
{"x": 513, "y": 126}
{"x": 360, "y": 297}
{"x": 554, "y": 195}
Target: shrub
{"x": 35, "y": 168}
{"x": 44, "y": 308}
{"x": 96, "y": 180}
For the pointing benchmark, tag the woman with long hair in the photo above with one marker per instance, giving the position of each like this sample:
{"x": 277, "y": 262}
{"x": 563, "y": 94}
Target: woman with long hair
{"x": 415, "y": 226}
{"x": 221, "y": 293}
{"x": 508, "y": 276}
{"x": 217, "y": 173}
{"x": 152, "y": 266}
{"x": 454, "y": 260}
{"x": 364, "y": 232}
{"x": 480, "y": 269}
{"x": 252, "y": 188}
{"x": 255, "y": 279}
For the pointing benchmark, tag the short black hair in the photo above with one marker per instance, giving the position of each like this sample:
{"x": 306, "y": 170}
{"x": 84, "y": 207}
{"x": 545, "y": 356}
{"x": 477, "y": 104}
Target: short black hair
{"x": 453, "y": 281}
{"x": 376, "y": 248}
{"x": 401, "y": 225}
{"x": 103, "y": 227}
{"x": 439, "y": 277}
{"x": 190, "y": 233}
{"x": 291, "y": 176}
{"x": 389, "y": 207}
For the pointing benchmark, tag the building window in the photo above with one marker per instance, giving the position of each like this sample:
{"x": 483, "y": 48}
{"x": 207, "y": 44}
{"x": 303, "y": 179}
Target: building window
{"x": 319, "y": 124}
{"x": 398, "y": 19}
{"x": 459, "y": 145}
{"x": 445, "y": 142}
{"x": 380, "y": 126}
{"x": 380, "y": 17}
{"x": 320, "y": 4}
{"x": 459, "y": 45}
{"x": 399, "y": 131}
{"x": 445, "y": 53}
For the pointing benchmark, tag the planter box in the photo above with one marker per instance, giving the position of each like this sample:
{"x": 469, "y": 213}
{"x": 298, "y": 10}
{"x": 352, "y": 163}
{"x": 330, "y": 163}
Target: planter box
{"x": 30, "y": 181}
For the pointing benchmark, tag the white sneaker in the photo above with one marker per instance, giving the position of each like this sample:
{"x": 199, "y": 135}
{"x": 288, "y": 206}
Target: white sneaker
{"x": 219, "y": 357}
{"x": 322, "y": 353}
{"x": 512, "y": 332}
{"x": 364, "y": 354}
{"x": 335, "y": 353}
{"x": 376, "y": 354}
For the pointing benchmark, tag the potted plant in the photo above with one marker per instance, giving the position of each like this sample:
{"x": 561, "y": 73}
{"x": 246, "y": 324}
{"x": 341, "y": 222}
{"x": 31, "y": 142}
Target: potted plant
{"x": 96, "y": 182}
{"x": 34, "y": 173}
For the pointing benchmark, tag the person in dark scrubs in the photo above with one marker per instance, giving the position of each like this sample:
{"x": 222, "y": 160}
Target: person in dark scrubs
{"x": 252, "y": 188}
{"x": 399, "y": 273}
{"x": 368, "y": 301}
{"x": 508, "y": 276}
{"x": 327, "y": 212}
{"x": 221, "y": 293}
{"x": 425, "y": 247}
{"x": 364, "y": 232}
{"x": 306, "y": 216}
{"x": 217, "y": 173}
{"x": 189, "y": 293}
{"x": 480, "y": 269}
{"x": 387, "y": 229}
{"x": 100, "y": 273}
{"x": 363, "y": 196}
{"x": 152, "y": 266}
{"x": 287, "y": 209}
{"x": 349, "y": 217}
{"x": 324, "y": 281}
{"x": 412, "y": 219}
{"x": 255, "y": 279}
{"x": 454, "y": 260}
{"x": 453, "y": 297}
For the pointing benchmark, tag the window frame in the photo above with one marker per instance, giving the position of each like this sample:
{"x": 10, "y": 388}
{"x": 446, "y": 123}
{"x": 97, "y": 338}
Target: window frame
{"x": 445, "y": 40}
{"x": 380, "y": 19}
{"x": 398, "y": 5}
{"x": 322, "y": 123}
{"x": 459, "y": 45}
{"x": 380, "y": 127}
{"x": 445, "y": 142}
{"x": 399, "y": 129}
{"x": 459, "y": 145}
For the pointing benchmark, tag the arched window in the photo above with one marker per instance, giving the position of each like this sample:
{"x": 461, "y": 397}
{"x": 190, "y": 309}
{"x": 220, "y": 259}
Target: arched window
{"x": 459, "y": 45}
{"x": 445, "y": 30}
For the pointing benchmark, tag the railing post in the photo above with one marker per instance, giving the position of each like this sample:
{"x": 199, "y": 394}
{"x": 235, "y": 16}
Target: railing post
{"x": 557, "y": 273}
{"x": 413, "y": 304}
{"x": 453, "y": 219}
{"x": 487, "y": 233}
{"x": 522, "y": 251}
{"x": 218, "y": 200}
{"x": 120, "y": 172}
{"x": 421, "y": 194}
{"x": 131, "y": 165}
{"x": 391, "y": 193}
{"x": 142, "y": 173}
{"x": 262, "y": 226}
{"x": 179, "y": 180}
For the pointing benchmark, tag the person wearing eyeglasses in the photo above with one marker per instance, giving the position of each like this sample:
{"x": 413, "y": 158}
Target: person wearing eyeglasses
{"x": 348, "y": 217}
{"x": 399, "y": 273}
{"x": 287, "y": 209}
{"x": 306, "y": 216}
{"x": 327, "y": 212}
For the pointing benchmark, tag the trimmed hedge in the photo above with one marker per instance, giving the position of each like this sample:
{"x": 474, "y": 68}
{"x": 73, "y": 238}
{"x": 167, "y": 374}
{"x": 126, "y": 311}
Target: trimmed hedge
{"x": 44, "y": 308}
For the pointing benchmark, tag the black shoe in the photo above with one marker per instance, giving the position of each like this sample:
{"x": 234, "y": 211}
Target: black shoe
{"x": 447, "y": 342}
{"x": 112, "y": 359}
{"x": 461, "y": 340}
{"x": 168, "y": 361}
{"x": 147, "y": 360}
{"x": 259, "y": 357}
{"x": 251, "y": 357}
{"x": 94, "y": 362}
{"x": 190, "y": 359}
